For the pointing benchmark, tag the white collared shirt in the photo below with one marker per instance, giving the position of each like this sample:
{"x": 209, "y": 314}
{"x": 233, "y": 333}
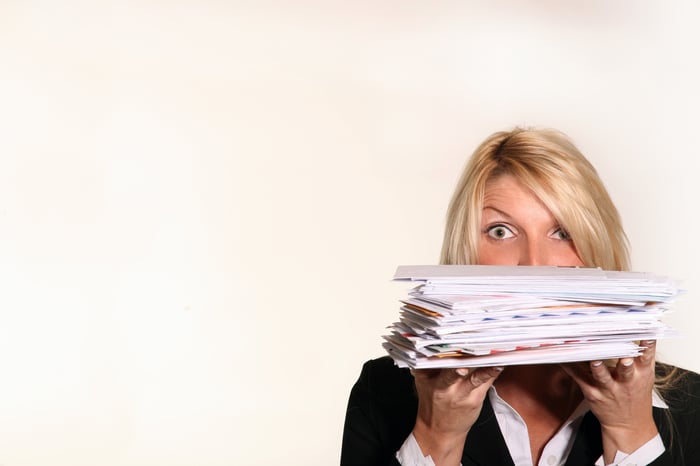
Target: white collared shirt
{"x": 555, "y": 452}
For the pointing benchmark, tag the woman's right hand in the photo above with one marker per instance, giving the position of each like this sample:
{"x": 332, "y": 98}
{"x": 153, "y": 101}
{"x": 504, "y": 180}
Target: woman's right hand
{"x": 449, "y": 403}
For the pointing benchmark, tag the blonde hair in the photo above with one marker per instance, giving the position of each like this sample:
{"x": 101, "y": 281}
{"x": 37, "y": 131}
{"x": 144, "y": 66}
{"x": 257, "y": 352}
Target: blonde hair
{"x": 549, "y": 164}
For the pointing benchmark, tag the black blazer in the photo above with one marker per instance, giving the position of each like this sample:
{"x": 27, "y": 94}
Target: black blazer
{"x": 383, "y": 405}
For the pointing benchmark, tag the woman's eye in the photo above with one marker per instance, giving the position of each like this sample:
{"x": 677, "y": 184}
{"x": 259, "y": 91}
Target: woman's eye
{"x": 499, "y": 232}
{"x": 562, "y": 234}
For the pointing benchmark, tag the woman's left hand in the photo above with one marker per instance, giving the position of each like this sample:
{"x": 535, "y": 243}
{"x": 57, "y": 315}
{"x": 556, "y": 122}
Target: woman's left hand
{"x": 620, "y": 397}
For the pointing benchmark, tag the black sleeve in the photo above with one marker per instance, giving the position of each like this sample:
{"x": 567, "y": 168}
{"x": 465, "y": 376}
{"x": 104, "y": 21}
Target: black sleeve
{"x": 679, "y": 425}
{"x": 381, "y": 414}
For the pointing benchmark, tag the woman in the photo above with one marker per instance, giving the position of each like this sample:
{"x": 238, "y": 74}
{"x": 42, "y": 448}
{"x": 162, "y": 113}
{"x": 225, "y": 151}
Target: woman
{"x": 528, "y": 197}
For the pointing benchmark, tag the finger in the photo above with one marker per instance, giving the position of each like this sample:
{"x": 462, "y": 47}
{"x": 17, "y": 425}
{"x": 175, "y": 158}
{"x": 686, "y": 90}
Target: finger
{"x": 600, "y": 373}
{"x": 485, "y": 376}
{"x": 436, "y": 378}
{"x": 583, "y": 378}
{"x": 425, "y": 374}
{"x": 570, "y": 371}
{"x": 448, "y": 377}
{"x": 580, "y": 372}
{"x": 649, "y": 353}
{"x": 582, "y": 375}
{"x": 625, "y": 369}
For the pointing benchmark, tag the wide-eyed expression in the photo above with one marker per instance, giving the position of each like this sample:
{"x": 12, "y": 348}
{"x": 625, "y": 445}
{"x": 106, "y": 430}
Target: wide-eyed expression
{"x": 518, "y": 229}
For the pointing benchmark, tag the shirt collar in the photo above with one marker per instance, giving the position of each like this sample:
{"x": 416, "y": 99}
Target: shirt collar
{"x": 499, "y": 404}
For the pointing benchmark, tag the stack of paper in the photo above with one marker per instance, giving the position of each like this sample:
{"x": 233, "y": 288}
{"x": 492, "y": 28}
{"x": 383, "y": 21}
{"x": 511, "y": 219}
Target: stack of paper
{"x": 476, "y": 315}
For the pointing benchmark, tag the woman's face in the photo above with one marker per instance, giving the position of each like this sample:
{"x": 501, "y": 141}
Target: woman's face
{"x": 517, "y": 229}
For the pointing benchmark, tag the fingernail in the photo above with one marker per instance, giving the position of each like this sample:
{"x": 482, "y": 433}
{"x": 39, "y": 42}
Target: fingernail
{"x": 648, "y": 343}
{"x": 462, "y": 371}
{"x": 499, "y": 369}
{"x": 627, "y": 362}
{"x": 596, "y": 363}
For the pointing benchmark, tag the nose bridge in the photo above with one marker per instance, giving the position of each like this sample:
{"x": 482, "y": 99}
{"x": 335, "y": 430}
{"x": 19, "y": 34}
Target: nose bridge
{"x": 533, "y": 252}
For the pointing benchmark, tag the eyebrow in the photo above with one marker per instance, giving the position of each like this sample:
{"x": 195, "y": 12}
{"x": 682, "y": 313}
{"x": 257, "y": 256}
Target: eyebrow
{"x": 498, "y": 211}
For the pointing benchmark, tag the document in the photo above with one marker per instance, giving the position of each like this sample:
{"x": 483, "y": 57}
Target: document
{"x": 476, "y": 316}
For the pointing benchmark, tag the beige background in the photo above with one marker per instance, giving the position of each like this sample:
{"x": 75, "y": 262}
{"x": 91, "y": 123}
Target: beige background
{"x": 202, "y": 203}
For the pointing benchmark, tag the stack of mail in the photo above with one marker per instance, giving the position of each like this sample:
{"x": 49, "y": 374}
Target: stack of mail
{"x": 481, "y": 315}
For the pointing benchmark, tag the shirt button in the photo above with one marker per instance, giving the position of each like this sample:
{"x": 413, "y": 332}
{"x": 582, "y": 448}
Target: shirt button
{"x": 551, "y": 459}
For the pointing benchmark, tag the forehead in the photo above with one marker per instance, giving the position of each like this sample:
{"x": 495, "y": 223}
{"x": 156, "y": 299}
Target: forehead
{"x": 510, "y": 196}
{"x": 507, "y": 187}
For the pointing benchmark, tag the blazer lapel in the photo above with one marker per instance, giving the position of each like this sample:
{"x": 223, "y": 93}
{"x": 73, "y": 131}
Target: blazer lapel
{"x": 588, "y": 444}
{"x": 485, "y": 445}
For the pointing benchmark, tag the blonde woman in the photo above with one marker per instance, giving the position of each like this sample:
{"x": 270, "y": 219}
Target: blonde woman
{"x": 528, "y": 197}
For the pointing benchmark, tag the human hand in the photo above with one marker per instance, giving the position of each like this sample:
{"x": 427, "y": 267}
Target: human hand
{"x": 620, "y": 397}
{"x": 449, "y": 402}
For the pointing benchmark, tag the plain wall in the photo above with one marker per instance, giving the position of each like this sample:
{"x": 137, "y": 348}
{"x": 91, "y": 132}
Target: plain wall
{"x": 202, "y": 203}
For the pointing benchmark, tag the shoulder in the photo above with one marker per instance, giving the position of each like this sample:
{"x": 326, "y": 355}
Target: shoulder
{"x": 381, "y": 413}
{"x": 679, "y": 425}
{"x": 679, "y": 387}
{"x": 387, "y": 381}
